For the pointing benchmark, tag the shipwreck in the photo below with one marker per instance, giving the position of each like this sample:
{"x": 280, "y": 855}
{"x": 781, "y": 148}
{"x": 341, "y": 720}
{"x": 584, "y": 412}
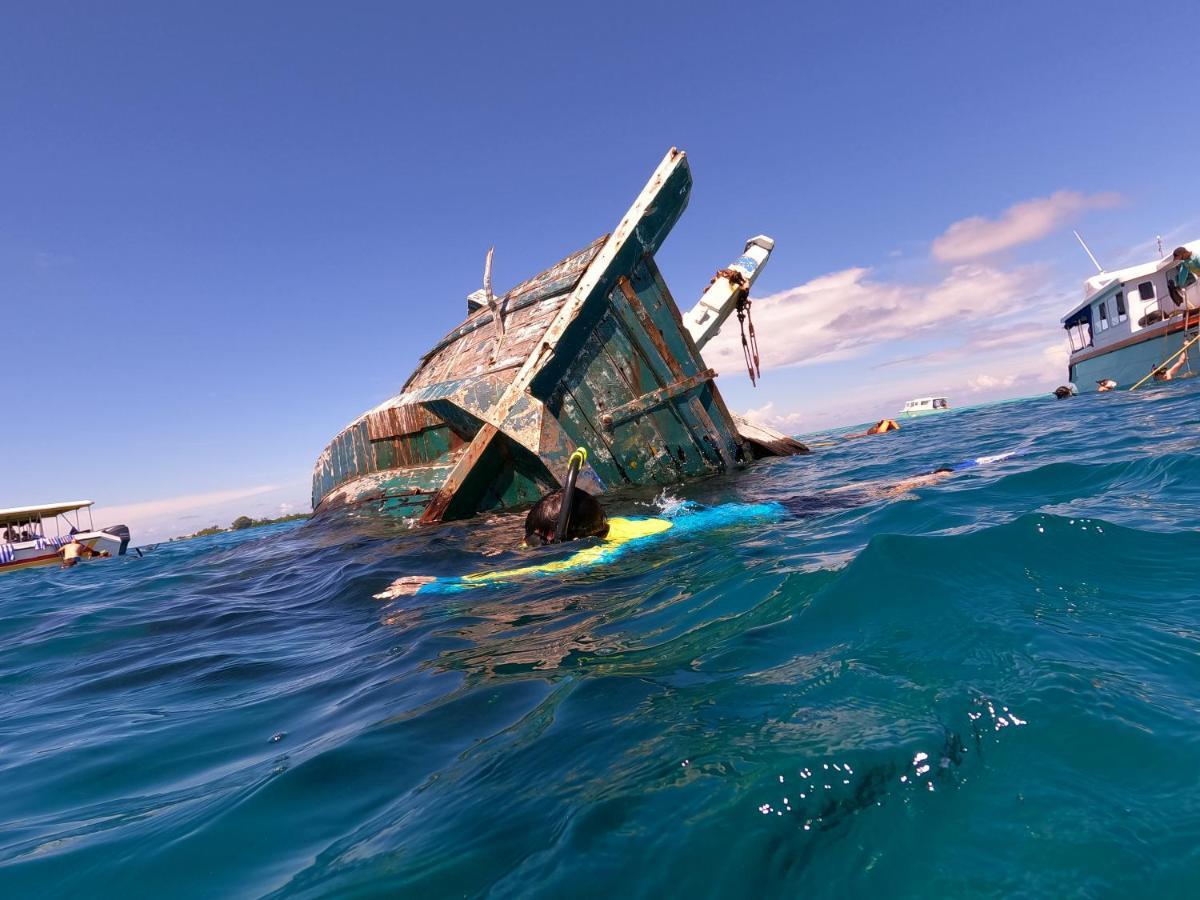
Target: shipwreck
{"x": 592, "y": 352}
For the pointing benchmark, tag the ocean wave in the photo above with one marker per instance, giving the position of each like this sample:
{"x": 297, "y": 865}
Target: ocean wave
{"x": 998, "y": 669}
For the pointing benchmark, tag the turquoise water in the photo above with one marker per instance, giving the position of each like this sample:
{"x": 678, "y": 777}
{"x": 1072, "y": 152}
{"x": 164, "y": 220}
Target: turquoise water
{"x": 742, "y": 712}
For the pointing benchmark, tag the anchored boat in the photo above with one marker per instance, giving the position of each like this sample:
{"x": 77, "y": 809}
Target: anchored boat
{"x": 1128, "y": 322}
{"x": 32, "y": 535}
{"x": 923, "y": 406}
{"x": 592, "y": 352}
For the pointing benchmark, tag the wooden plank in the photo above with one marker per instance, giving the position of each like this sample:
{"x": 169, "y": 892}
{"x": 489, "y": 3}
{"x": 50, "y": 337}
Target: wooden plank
{"x": 555, "y": 282}
{"x": 717, "y": 436}
{"x": 397, "y": 421}
{"x": 711, "y": 401}
{"x": 649, "y": 401}
{"x": 676, "y": 428}
{"x": 703, "y": 432}
{"x": 464, "y": 464}
{"x": 649, "y": 327}
{"x": 584, "y": 433}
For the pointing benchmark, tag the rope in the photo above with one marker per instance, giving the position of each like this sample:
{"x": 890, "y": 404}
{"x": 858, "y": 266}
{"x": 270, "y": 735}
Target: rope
{"x": 749, "y": 344}
{"x": 749, "y": 347}
{"x": 1163, "y": 364}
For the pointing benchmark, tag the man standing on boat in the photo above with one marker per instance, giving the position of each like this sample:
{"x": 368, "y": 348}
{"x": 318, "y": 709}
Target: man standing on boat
{"x": 1189, "y": 266}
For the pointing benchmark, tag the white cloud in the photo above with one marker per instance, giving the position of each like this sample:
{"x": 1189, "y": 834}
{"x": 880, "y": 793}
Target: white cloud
{"x": 1055, "y": 357}
{"x": 158, "y": 519}
{"x": 989, "y": 382}
{"x": 847, "y": 314}
{"x": 1021, "y": 223}
{"x": 787, "y": 423}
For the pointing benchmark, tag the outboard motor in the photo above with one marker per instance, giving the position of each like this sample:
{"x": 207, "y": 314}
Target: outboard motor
{"x": 119, "y": 531}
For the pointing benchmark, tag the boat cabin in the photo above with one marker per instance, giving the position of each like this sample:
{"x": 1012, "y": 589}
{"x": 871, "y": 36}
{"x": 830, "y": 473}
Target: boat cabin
{"x": 1129, "y": 305}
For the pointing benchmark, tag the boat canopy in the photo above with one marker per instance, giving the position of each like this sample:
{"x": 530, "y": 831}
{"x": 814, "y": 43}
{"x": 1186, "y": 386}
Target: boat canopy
{"x": 20, "y": 514}
{"x": 1081, "y": 312}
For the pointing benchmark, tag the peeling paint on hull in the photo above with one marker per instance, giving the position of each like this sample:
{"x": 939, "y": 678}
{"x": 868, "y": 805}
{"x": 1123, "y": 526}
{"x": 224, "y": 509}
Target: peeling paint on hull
{"x": 592, "y": 352}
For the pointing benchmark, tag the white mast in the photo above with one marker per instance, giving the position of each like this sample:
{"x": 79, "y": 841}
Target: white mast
{"x": 1087, "y": 250}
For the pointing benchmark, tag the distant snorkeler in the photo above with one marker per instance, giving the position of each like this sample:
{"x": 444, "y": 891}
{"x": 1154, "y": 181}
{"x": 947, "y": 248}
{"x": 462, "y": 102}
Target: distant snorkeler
{"x": 545, "y": 524}
{"x": 883, "y": 426}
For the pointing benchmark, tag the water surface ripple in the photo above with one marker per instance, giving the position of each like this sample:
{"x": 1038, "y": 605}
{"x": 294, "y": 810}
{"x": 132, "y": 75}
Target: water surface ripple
{"x": 986, "y": 687}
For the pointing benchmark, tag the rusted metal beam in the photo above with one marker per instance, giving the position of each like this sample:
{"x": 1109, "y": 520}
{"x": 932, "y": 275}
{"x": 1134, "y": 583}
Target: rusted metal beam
{"x": 647, "y": 402}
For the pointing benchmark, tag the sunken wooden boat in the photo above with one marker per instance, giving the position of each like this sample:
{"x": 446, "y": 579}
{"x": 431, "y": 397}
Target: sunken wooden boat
{"x": 593, "y": 352}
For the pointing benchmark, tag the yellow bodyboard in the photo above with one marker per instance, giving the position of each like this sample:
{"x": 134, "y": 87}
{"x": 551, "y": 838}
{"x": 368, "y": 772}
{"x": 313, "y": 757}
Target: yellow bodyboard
{"x": 620, "y": 531}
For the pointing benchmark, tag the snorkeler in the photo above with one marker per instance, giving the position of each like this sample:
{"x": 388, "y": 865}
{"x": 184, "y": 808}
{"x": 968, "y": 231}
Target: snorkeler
{"x": 1163, "y": 374}
{"x": 883, "y": 426}
{"x": 620, "y": 534}
{"x": 585, "y": 519}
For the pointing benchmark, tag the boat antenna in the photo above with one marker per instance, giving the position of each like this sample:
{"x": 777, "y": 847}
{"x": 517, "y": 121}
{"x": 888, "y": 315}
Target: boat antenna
{"x": 1088, "y": 251}
{"x": 1159, "y": 239}
{"x": 490, "y": 298}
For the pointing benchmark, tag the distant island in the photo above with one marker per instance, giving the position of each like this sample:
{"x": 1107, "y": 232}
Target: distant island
{"x": 241, "y": 523}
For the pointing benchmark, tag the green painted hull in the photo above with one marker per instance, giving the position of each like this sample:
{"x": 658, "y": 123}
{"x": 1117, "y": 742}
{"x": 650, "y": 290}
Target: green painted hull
{"x": 592, "y": 352}
{"x": 1130, "y": 364}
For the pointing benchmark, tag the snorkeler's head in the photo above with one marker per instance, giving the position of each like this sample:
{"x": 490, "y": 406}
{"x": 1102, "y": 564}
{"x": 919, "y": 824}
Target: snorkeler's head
{"x": 587, "y": 518}
{"x": 943, "y": 470}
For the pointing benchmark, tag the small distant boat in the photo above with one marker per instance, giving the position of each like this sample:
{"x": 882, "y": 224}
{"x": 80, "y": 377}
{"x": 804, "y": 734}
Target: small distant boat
{"x": 32, "y": 535}
{"x": 923, "y": 406}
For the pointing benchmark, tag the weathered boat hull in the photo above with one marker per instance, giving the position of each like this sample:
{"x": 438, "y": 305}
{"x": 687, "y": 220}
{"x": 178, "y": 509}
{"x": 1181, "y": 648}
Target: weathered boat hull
{"x": 592, "y": 352}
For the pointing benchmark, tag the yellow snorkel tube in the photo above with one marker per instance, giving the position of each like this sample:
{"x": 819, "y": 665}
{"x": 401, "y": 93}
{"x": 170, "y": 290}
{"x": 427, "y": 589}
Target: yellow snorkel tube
{"x": 574, "y": 464}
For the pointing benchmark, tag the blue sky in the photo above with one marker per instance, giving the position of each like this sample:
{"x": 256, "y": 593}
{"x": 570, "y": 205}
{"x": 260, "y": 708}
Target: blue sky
{"x": 227, "y": 229}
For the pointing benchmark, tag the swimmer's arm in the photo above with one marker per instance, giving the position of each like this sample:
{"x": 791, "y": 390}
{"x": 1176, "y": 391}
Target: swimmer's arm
{"x": 404, "y": 586}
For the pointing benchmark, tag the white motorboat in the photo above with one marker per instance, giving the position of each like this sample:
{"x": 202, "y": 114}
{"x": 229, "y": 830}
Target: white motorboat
{"x": 32, "y": 535}
{"x": 922, "y": 406}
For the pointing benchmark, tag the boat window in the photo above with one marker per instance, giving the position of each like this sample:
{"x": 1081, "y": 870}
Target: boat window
{"x": 1121, "y": 315}
{"x": 1085, "y": 335}
{"x": 1103, "y": 316}
{"x": 1146, "y": 290}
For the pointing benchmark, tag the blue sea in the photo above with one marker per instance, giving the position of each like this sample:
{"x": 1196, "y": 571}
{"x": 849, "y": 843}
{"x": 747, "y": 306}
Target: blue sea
{"x": 984, "y": 686}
